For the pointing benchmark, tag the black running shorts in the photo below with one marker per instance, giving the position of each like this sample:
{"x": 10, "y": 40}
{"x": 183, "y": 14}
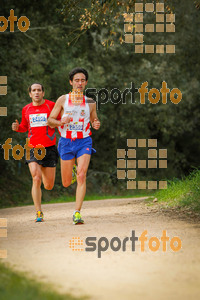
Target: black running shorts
{"x": 49, "y": 160}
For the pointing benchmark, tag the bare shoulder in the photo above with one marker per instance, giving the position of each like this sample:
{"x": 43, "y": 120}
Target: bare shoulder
{"x": 90, "y": 101}
{"x": 92, "y": 104}
{"x": 61, "y": 100}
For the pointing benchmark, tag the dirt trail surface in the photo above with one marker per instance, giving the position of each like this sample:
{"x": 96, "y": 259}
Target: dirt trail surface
{"x": 43, "y": 250}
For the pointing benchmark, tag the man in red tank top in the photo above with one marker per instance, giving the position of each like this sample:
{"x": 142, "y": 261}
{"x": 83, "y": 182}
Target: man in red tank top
{"x": 34, "y": 119}
{"x": 75, "y": 141}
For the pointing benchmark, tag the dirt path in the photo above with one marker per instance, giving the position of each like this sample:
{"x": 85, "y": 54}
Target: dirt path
{"x": 43, "y": 250}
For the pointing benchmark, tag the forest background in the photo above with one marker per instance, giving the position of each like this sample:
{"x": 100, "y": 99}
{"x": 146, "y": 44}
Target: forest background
{"x": 90, "y": 34}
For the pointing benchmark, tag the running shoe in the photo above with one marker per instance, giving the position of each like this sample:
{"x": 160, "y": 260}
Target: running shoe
{"x": 77, "y": 219}
{"x": 39, "y": 216}
{"x": 74, "y": 172}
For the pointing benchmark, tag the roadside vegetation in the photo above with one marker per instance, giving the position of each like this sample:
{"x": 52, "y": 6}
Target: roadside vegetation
{"x": 15, "y": 286}
{"x": 182, "y": 193}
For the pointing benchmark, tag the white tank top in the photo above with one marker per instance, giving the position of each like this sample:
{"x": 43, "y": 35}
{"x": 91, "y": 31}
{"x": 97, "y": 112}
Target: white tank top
{"x": 79, "y": 125}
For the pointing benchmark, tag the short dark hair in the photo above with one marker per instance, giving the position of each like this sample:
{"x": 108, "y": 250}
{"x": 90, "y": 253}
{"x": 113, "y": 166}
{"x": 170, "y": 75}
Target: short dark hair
{"x": 78, "y": 70}
{"x": 29, "y": 88}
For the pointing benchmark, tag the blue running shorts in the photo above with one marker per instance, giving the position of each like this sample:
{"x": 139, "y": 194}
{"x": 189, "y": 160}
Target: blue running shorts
{"x": 69, "y": 148}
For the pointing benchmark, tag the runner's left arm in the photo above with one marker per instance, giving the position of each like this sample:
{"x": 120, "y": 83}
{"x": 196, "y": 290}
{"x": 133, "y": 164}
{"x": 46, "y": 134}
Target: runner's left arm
{"x": 93, "y": 116}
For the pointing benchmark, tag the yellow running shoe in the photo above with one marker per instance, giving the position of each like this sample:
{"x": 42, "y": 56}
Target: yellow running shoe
{"x": 39, "y": 216}
{"x": 77, "y": 219}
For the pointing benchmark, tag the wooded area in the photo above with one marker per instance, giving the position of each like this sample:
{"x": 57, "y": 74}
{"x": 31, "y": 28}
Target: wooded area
{"x": 90, "y": 34}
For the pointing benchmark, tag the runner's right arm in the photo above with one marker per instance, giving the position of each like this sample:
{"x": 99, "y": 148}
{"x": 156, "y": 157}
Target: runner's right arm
{"x": 23, "y": 126}
{"x": 58, "y": 108}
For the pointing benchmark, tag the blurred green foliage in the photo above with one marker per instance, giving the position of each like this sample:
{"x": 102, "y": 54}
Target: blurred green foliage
{"x": 17, "y": 286}
{"x": 183, "y": 192}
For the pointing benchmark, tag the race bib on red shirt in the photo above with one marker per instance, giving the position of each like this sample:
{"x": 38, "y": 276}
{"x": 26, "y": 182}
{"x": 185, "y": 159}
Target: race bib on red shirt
{"x": 38, "y": 120}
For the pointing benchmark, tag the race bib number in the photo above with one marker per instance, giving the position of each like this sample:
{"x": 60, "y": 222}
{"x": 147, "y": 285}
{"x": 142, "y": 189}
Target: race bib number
{"x": 77, "y": 126}
{"x": 38, "y": 120}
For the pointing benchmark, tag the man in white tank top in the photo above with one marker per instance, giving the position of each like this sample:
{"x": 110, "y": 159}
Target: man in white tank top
{"x": 74, "y": 128}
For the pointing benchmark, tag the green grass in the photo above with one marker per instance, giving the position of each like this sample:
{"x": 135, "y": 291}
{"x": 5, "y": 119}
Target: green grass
{"x": 89, "y": 197}
{"x": 17, "y": 286}
{"x": 64, "y": 198}
{"x": 182, "y": 193}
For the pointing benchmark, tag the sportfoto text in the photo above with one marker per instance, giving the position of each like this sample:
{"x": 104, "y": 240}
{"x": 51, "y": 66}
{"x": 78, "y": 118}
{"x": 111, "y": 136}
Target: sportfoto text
{"x": 154, "y": 95}
{"x": 153, "y": 244}
{"x": 23, "y": 23}
{"x": 18, "y": 150}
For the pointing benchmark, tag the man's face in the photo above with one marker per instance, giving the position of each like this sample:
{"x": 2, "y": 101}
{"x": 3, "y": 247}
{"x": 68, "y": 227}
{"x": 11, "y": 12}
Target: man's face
{"x": 79, "y": 82}
{"x": 36, "y": 93}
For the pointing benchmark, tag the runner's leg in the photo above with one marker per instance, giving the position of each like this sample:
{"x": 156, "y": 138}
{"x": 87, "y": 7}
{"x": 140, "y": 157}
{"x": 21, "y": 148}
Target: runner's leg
{"x": 83, "y": 163}
{"x": 36, "y": 173}
{"x": 48, "y": 177}
{"x": 66, "y": 171}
